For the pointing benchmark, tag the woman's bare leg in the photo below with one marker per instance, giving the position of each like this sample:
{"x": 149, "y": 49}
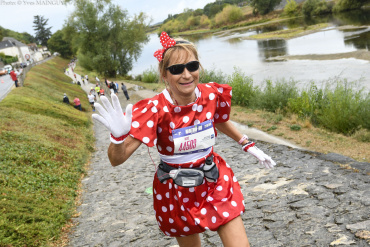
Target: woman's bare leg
{"x": 189, "y": 241}
{"x": 233, "y": 233}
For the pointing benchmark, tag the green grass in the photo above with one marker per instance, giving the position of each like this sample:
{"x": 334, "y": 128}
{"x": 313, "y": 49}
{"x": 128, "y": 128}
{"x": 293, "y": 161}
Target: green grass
{"x": 44, "y": 146}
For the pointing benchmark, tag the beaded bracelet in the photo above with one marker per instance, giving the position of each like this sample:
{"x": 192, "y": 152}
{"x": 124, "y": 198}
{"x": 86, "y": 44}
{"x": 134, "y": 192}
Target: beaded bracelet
{"x": 245, "y": 137}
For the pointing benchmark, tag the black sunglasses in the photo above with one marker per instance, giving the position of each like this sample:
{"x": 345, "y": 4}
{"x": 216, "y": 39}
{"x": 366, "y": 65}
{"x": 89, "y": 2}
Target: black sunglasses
{"x": 177, "y": 69}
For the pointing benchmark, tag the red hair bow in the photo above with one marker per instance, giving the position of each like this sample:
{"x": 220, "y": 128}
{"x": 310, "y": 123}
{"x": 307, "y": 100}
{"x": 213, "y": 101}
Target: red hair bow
{"x": 166, "y": 42}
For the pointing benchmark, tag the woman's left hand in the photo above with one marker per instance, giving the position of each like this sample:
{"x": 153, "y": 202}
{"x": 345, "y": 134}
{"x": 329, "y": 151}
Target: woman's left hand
{"x": 263, "y": 158}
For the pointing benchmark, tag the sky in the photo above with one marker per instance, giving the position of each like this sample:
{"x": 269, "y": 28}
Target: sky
{"x": 18, "y": 15}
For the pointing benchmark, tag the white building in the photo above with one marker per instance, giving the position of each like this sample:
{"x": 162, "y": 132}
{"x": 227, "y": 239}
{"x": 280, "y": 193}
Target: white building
{"x": 12, "y": 47}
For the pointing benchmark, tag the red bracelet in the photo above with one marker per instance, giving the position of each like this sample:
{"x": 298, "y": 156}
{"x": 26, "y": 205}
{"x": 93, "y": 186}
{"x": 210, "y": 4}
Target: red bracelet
{"x": 248, "y": 145}
{"x": 245, "y": 137}
{"x": 121, "y": 138}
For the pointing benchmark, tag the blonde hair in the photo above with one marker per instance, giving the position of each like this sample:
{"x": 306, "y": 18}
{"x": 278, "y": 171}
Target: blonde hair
{"x": 187, "y": 46}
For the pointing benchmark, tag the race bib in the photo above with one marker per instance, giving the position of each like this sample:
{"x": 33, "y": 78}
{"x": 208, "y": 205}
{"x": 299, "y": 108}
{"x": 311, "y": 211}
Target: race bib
{"x": 194, "y": 139}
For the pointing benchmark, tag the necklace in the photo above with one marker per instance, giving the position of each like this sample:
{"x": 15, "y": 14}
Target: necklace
{"x": 175, "y": 101}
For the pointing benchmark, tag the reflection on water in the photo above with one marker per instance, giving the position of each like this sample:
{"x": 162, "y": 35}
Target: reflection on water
{"x": 226, "y": 50}
{"x": 272, "y": 48}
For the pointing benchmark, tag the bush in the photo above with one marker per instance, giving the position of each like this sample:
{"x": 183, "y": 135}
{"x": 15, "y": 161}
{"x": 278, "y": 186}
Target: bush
{"x": 230, "y": 14}
{"x": 204, "y": 21}
{"x": 315, "y": 7}
{"x": 343, "y": 110}
{"x": 291, "y": 8}
{"x": 150, "y": 75}
{"x": 212, "y": 76}
{"x": 344, "y": 5}
{"x": 295, "y": 127}
{"x": 264, "y": 6}
{"x": 275, "y": 97}
{"x": 243, "y": 91}
{"x": 362, "y": 135}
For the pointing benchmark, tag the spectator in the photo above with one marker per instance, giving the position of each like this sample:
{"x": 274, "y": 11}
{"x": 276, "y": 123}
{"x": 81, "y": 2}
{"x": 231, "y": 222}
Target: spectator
{"x": 101, "y": 92}
{"x": 112, "y": 87}
{"x": 97, "y": 79}
{"x": 65, "y": 99}
{"x": 77, "y": 103}
{"x": 124, "y": 89}
{"x": 87, "y": 78}
{"x": 14, "y": 75}
{"x": 117, "y": 86}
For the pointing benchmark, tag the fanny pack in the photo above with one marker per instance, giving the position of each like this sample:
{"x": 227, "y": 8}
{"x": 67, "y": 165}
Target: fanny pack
{"x": 188, "y": 177}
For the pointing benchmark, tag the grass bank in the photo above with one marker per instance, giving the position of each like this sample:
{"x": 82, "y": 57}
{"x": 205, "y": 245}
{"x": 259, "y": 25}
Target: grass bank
{"x": 44, "y": 147}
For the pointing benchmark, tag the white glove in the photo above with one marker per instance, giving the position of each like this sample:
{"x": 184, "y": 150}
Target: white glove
{"x": 113, "y": 119}
{"x": 263, "y": 158}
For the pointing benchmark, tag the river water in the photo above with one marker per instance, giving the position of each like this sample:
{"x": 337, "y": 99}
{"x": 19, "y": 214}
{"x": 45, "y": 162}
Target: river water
{"x": 226, "y": 51}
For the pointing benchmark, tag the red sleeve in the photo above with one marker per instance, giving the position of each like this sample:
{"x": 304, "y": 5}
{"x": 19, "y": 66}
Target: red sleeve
{"x": 144, "y": 122}
{"x": 223, "y": 108}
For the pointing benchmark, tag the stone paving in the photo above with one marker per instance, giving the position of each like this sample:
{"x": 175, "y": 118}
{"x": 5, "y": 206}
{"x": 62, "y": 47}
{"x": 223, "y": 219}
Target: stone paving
{"x": 308, "y": 199}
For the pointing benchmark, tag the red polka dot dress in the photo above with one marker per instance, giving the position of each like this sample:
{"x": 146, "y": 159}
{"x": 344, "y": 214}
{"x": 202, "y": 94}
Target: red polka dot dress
{"x": 184, "y": 211}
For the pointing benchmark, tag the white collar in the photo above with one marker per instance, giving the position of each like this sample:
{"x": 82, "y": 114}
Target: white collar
{"x": 168, "y": 96}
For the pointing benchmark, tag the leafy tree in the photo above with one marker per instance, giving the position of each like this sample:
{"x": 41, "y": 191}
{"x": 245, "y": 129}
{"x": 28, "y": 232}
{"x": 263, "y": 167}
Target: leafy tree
{"x": 264, "y": 6}
{"x": 108, "y": 40}
{"x": 57, "y": 43}
{"x": 344, "y": 5}
{"x": 291, "y": 8}
{"x": 43, "y": 33}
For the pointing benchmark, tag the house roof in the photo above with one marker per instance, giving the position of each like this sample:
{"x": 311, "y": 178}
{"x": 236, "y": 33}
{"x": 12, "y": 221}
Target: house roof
{"x": 13, "y": 41}
{"x": 5, "y": 44}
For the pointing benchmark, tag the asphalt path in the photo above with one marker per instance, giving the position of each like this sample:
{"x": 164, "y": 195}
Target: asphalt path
{"x": 6, "y": 84}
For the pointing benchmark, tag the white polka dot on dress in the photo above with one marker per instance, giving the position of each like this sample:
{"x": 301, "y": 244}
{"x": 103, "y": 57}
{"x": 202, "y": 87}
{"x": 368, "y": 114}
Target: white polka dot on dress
{"x": 182, "y": 208}
{"x": 165, "y": 109}
{"x": 171, "y": 207}
{"x": 180, "y": 194}
{"x": 234, "y": 179}
{"x": 155, "y": 102}
{"x": 144, "y": 110}
{"x": 164, "y": 209}
{"x": 217, "y": 116}
{"x": 219, "y": 188}
{"x": 209, "y": 199}
{"x": 185, "y": 200}
{"x": 159, "y": 129}
{"x": 209, "y": 115}
{"x": 204, "y": 193}
{"x": 173, "y": 230}
{"x": 171, "y": 220}
{"x": 159, "y": 197}
{"x": 154, "y": 109}
{"x": 197, "y": 221}
{"x": 135, "y": 124}
{"x": 220, "y": 89}
{"x": 146, "y": 140}
{"x": 224, "y": 199}
{"x": 150, "y": 123}
{"x": 170, "y": 138}
{"x": 172, "y": 125}
{"x": 203, "y": 211}
{"x": 185, "y": 119}
{"x": 196, "y": 121}
{"x": 225, "y": 214}
{"x": 224, "y": 116}
{"x": 200, "y": 108}
{"x": 226, "y": 178}
{"x": 177, "y": 109}
{"x": 169, "y": 149}
{"x": 159, "y": 148}
{"x": 184, "y": 218}
{"x": 213, "y": 219}
{"x": 234, "y": 203}
{"x": 186, "y": 229}
{"x": 223, "y": 104}
{"x": 211, "y": 96}
{"x": 160, "y": 218}
{"x": 168, "y": 194}
{"x": 194, "y": 107}
{"x": 196, "y": 204}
